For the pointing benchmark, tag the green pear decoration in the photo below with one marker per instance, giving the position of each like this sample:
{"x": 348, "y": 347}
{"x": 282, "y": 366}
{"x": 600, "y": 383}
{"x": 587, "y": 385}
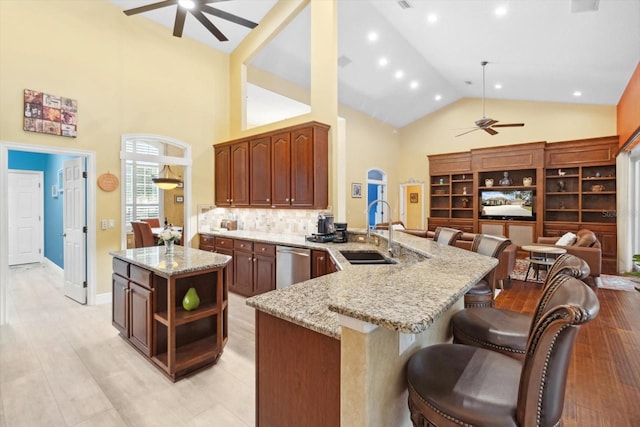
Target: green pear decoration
{"x": 191, "y": 300}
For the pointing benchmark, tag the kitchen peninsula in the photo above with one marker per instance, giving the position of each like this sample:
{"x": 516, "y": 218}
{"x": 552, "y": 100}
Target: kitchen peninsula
{"x": 148, "y": 289}
{"x": 332, "y": 350}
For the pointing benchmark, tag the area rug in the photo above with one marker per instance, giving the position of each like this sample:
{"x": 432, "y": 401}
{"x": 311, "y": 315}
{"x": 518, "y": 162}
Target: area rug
{"x": 618, "y": 283}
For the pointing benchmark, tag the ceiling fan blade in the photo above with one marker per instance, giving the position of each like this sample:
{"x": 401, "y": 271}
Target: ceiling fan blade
{"x": 212, "y": 28}
{"x": 228, "y": 16}
{"x": 181, "y": 15}
{"x": 469, "y": 131}
{"x": 509, "y": 125}
{"x": 152, "y": 6}
{"x": 490, "y": 131}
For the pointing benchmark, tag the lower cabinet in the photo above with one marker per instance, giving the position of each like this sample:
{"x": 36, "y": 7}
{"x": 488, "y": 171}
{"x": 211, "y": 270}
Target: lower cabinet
{"x": 132, "y": 308}
{"x": 254, "y": 267}
{"x": 322, "y": 263}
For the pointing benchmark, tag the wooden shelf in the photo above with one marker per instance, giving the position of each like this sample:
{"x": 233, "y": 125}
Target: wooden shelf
{"x": 183, "y": 316}
{"x": 192, "y": 354}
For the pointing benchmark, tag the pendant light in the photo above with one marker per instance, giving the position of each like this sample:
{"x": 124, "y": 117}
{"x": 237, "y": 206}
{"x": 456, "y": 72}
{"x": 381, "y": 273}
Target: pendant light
{"x": 164, "y": 181}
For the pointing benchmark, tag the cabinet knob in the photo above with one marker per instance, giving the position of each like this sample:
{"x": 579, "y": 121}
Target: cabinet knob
{"x": 267, "y": 199}
{"x": 321, "y": 258}
{"x": 264, "y": 249}
{"x": 251, "y": 259}
{"x": 286, "y": 200}
{"x": 254, "y": 260}
{"x": 293, "y": 200}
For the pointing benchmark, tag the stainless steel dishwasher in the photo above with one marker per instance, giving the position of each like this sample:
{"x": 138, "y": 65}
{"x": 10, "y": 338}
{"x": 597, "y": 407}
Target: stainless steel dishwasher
{"x": 293, "y": 265}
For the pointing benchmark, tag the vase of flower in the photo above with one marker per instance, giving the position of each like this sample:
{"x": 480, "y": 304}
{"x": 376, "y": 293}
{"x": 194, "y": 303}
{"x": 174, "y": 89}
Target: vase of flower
{"x": 169, "y": 237}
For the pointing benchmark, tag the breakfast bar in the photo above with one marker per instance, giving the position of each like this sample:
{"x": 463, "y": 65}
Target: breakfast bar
{"x": 332, "y": 350}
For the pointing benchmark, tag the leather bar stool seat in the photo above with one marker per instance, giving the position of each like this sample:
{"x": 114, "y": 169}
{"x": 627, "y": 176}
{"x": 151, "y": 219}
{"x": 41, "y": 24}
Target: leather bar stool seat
{"x": 453, "y": 385}
{"x": 508, "y": 331}
{"x": 481, "y": 294}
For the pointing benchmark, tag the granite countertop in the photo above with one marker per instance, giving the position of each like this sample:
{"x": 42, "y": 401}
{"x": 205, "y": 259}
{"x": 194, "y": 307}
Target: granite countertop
{"x": 184, "y": 260}
{"x": 406, "y": 297}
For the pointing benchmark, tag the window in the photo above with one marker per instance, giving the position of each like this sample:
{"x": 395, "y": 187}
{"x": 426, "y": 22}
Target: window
{"x": 142, "y": 196}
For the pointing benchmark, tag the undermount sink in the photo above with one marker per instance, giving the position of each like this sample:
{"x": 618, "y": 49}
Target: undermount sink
{"x": 367, "y": 257}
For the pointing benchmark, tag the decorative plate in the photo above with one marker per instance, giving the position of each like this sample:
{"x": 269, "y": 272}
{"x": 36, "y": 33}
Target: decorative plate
{"x": 108, "y": 182}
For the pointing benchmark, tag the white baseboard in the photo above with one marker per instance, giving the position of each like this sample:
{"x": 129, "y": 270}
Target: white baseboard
{"x": 103, "y": 298}
{"x": 53, "y": 265}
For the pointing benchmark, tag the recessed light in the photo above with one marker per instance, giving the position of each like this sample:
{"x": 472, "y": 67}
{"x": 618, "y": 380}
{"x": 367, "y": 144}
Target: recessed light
{"x": 577, "y": 93}
{"x": 383, "y": 61}
{"x": 432, "y": 18}
{"x": 372, "y": 36}
{"x": 399, "y": 74}
{"x": 500, "y": 11}
{"x": 414, "y": 84}
{"x": 438, "y": 97}
{"x": 498, "y": 86}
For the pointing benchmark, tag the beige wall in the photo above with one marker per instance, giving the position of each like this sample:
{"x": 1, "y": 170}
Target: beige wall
{"x": 128, "y": 74}
{"x": 544, "y": 121}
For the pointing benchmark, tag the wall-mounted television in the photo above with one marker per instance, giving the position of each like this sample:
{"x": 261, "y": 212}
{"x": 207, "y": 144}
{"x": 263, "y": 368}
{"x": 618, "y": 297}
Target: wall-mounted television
{"x": 507, "y": 204}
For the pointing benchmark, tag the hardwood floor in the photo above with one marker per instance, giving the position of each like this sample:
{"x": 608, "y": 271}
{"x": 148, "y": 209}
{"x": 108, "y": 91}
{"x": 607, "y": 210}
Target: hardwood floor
{"x": 603, "y": 386}
{"x": 63, "y": 364}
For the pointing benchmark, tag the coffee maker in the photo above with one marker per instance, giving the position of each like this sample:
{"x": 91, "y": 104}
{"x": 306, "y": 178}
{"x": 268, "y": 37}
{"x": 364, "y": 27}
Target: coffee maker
{"x": 341, "y": 232}
{"x": 325, "y": 223}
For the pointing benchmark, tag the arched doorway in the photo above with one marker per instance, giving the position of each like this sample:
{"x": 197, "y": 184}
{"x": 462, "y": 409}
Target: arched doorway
{"x": 377, "y": 190}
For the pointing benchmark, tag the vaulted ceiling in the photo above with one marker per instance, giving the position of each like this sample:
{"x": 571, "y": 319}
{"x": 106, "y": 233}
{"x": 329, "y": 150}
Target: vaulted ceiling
{"x": 575, "y": 51}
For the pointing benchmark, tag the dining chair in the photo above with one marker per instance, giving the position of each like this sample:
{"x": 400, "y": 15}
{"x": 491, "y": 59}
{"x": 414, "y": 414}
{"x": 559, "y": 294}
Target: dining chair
{"x": 153, "y": 222}
{"x": 460, "y": 385}
{"x": 146, "y": 235}
{"x": 137, "y": 236}
{"x": 508, "y": 331}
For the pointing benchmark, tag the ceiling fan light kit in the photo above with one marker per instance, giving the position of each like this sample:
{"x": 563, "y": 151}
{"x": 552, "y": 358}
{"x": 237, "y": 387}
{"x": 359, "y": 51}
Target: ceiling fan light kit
{"x": 485, "y": 123}
{"x": 197, "y": 8}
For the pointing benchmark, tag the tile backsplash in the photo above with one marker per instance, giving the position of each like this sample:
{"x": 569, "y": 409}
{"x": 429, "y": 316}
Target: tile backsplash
{"x": 283, "y": 221}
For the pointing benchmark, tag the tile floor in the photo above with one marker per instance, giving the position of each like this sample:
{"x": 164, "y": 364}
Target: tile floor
{"x": 63, "y": 364}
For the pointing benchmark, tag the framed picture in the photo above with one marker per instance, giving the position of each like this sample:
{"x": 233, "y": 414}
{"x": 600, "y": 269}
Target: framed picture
{"x": 356, "y": 189}
{"x": 179, "y": 199}
{"x": 413, "y": 197}
{"x": 180, "y": 185}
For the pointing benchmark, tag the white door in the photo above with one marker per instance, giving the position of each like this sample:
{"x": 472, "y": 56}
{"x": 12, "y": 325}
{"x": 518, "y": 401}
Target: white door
{"x": 26, "y": 229}
{"x": 74, "y": 222}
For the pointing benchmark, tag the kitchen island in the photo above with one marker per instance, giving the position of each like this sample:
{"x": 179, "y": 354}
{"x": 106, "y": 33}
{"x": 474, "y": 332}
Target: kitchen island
{"x": 332, "y": 350}
{"x": 148, "y": 290}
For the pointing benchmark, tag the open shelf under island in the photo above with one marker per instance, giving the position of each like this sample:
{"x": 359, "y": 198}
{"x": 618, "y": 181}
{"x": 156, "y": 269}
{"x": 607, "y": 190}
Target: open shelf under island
{"x": 148, "y": 288}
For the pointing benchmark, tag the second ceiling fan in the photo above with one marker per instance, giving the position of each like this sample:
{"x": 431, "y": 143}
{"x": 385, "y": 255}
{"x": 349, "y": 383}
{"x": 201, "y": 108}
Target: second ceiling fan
{"x": 485, "y": 123}
{"x": 197, "y": 8}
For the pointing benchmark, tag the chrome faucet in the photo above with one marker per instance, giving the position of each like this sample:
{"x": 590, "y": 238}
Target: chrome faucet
{"x": 390, "y": 228}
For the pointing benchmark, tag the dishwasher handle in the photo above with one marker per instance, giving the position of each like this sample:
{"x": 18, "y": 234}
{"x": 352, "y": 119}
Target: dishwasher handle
{"x": 295, "y": 251}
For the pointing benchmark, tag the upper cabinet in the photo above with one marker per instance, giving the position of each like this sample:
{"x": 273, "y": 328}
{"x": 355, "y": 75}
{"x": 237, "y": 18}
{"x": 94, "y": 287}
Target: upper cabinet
{"x": 283, "y": 168}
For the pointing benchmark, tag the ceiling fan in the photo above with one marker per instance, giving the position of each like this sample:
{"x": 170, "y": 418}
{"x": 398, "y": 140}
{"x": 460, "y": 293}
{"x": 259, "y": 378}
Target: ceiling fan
{"x": 197, "y": 8}
{"x": 485, "y": 123}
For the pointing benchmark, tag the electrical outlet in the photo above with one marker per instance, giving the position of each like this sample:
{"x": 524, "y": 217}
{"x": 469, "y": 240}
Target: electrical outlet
{"x": 112, "y": 223}
{"x": 103, "y": 224}
{"x": 361, "y": 238}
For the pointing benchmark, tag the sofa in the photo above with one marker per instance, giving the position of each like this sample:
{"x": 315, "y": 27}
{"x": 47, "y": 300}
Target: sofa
{"x": 586, "y": 246}
{"x": 506, "y": 262}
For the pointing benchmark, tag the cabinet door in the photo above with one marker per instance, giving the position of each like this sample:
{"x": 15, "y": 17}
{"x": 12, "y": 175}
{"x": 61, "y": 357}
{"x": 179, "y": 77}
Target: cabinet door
{"x": 318, "y": 263}
{"x": 222, "y": 174}
{"x": 240, "y": 174}
{"x": 140, "y": 317}
{"x": 260, "y": 172}
{"x": 264, "y": 273}
{"x": 230, "y": 269}
{"x": 302, "y": 167}
{"x": 332, "y": 267}
{"x": 120, "y": 304}
{"x": 281, "y": 169}
{"x": 242, "y": 273}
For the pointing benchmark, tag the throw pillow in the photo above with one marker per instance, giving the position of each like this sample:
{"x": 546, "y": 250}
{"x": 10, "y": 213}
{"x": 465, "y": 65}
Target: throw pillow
{"x": 567, "y": 239}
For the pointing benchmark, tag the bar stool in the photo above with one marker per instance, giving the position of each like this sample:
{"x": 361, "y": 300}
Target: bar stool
{"x": 481, "y": 295}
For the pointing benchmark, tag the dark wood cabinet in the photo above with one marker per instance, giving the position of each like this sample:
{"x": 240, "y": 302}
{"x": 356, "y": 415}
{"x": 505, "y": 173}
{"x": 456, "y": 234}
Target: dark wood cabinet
{"x": 284, "y": 168}
{"x": 231, "y": 164}
{"x": 254, "y": 267}
{"x": 260, "y": 172}
{"x": 318, "y": 263}
{"x": 132, "y": 307}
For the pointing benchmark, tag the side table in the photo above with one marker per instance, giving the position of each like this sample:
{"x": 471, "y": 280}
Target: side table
{"x": 541, "y": 257}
